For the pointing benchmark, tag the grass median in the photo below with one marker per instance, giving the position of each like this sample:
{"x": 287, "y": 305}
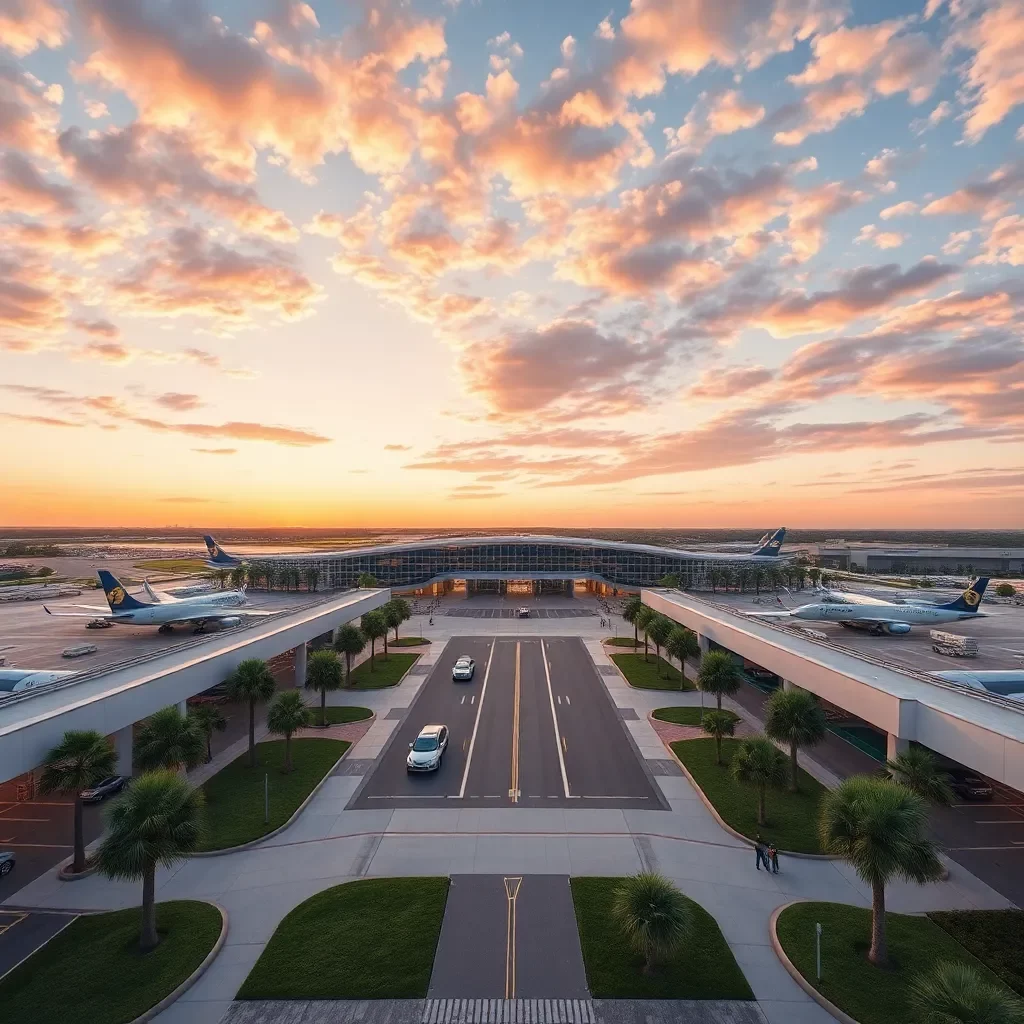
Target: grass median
{"x": 341, "y": 714}
{"x": 94, "y": 971}
{"x": 686, "y": 715}
{"x": 869, "y": 994}
{"x": 995, "y": 937}
{"x": 371, "y": 939}
{"x": 653, "y": 674}
{"x": 386, "y": 672}
{"x": 702, "y": 968}
{"x": 792, "y": 817}
{"x": 623, "y": 641}
{"x": 235, "y": 795}
{"x": 409, "y": 641}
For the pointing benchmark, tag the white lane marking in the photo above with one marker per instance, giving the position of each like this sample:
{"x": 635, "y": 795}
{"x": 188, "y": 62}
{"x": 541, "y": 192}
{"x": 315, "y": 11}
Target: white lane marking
{"x": 472, "y": 699}
{"x": 476, "y": 722}
{"x": 567, "y": 701}
{"x": 463, "y": 701}
{"x": 554, "y": 720}
{"x": 559, "y": 698}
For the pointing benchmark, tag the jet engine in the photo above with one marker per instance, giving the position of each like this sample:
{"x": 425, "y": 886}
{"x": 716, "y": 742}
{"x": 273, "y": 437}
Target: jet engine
{"x": 896, "y": 628}
{"x": 236, "y": 620}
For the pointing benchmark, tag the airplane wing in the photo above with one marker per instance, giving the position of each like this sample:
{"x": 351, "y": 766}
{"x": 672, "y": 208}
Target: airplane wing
{"x": 104, "y": 613}
{"x": 769, "y": 615}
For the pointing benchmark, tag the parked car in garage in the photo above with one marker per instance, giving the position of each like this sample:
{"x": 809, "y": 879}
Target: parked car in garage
{"x": 968, "y": 785}
{"x": 7, "y": 860}
{"x": 108, "y": 787}
{"x": 524, "y": 612}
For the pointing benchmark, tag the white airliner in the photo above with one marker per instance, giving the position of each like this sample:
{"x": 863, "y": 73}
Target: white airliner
{"x": 166, "y": 611}
{"x": 880, "y": 617}
{"x": 14, "y": 680}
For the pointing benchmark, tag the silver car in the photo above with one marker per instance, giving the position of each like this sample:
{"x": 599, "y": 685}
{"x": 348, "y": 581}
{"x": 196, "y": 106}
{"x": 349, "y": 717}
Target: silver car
{"x": 464, "y": 668}
{"x": 426, "y": 752}
{"x": 6, "y": 862}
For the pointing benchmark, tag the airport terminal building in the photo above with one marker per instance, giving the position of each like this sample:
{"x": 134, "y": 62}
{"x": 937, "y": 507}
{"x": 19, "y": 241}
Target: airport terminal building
{"x": 508, "y": 564}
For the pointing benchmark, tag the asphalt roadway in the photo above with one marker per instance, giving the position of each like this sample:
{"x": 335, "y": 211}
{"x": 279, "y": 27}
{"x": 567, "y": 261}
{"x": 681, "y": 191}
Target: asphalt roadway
{"x": 22, "y": 932}
{"x": 509, "y": 937}
{"x": 535, "y": 727}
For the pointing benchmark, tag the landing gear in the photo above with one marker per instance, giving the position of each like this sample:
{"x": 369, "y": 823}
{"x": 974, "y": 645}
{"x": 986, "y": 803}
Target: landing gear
{"x": 165, "y": 628}
{"x": 199, "y": 629}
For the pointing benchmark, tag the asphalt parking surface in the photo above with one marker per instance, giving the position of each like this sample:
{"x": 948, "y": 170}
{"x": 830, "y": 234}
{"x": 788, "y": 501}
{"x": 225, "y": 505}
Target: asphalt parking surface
{"x": 516, "y": 740}
{"x": 512, "y": 613}
{"x": 509, "y": 937}
{"x": 22, "y": 932}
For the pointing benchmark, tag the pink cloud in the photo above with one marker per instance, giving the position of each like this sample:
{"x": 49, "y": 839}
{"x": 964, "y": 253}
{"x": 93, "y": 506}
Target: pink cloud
{"x": 28, "y": 24}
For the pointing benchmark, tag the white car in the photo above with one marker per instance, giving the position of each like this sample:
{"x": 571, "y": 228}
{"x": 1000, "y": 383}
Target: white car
{"x": 426, "y": 752}
{"x": 524, "y": 613}
{"x": 463, "y": 669}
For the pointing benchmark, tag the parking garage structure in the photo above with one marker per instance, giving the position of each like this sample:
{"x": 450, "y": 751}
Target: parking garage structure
{"x": 545, "y": 564}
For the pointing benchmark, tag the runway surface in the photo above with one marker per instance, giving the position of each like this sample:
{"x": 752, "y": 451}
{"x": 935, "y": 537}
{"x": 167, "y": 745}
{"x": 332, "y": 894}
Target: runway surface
{"x": 534, "y": 728}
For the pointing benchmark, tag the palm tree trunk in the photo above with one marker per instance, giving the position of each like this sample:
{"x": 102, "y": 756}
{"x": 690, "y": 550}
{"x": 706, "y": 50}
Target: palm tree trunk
{"x": 373, "y": 643}
{"x": 385, "y": 645}
{"x": 718, "y": 697}
{"x": 148, "y": 939}
{"x": 760, "y": 804}
{"x": 718, "y": 750}
{"x": 645, "y": 645}
{"x": 348, "y": 667}
{"x": 323, "y": 708}
{"x": 79, "y": 861}
{"x": 209, "y": 747}
{"x": 794, "y": 777}
{"x": 879, "y": 952}
{"x": 252, "y": 734}
{"x": 287, "y": 753}
{"x": 636, "y": 639}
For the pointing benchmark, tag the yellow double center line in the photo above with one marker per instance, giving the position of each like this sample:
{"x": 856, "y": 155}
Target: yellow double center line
{"x": 511, "y": 892}
{"x": 513, "y": 791}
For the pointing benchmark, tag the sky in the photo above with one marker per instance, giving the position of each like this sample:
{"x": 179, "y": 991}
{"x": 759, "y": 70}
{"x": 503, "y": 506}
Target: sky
{"x": 472, "y": 263}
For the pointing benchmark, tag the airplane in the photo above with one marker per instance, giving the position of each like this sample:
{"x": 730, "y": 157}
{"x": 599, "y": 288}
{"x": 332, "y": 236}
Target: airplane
{"x": 1007, "y": 682}
{"x": 219, "y": 558}
{"x": 770, "y": 544}
{"x": 167, "y": 612}
{"x": 14, "y": 680}
{"x": 888, "y": 618}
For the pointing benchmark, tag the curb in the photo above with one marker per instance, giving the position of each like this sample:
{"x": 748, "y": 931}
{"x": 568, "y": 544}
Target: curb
{"x": 63, "y": 875}
{"x": 398, "y": 682}
{"x": 280, "y": 828}
{"x": 825, "y": 1004}
{"x": 648, "y": 689}
{"x": 337, "y": 725}
{"x": 195, "y": 975}
{"x": 728, "y": 828}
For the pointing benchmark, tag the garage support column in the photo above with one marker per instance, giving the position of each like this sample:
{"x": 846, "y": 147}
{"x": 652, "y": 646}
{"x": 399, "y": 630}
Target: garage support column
{"x": 300, "y": 665}
{"x": 123, "y": 746}
{"x": 183, "y": 708}
{"x": 895, "y": 745}
{"x": 704, "y": 643}
{"x": 788, "y": 684}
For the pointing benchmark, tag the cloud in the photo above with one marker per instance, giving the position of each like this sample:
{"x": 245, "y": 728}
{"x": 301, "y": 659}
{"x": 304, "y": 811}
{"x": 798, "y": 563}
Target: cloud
{"x": 28, "y": 24}
{"x": 178, "y": 401}
{"x": 730, "y": 382}
{"x": 84, "y": 242}
{"x": 24, "y": 190}
{"x": 32, "y": 303}
{"x": 216, "y": 451}
{"x": 185, "y": 500}
{"x": 880, "y": 239}
{"x": 97, "y": 328}
{"x": 718, "y": 114}
{"x": 398, "y": 447}
{"x": 1005, "y": 242}
{"x": 942, "y": 110}
{"x": 904, "y": 209}
{"x": 28, "y": 117}
{"x": 990, "y": 197}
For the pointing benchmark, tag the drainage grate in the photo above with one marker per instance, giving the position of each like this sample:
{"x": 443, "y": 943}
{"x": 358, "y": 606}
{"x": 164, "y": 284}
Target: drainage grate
{"x": 660, "y": 766}
{"x": 608, "y": 670}
{"x": 419, "y": 669}
{"x": 508, "y": 1011}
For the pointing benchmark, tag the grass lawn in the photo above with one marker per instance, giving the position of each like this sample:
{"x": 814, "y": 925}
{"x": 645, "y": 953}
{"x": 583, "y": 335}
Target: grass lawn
{"x": 341, "y": 715}
{"x": 685, "y": 716}
{"x": 995, "y": 937}
{"x": 234, "y": 796}
{"x": 386, "y": 671}
{"x": 174, "y": 565}
{"x": 371, "y": 939}
{"x": 93, "y": 970}
{"x": 702, "y": 968}
{"x": 870, "y": 994}
{"x": 792, "y": 817}
{"x": 409, "y": 641}
{"x": 623, "y": 641}
{"x": 644, "y": 675}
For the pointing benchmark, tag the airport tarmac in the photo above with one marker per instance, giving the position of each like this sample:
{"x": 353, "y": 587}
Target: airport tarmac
{"x": 29, "y": 638}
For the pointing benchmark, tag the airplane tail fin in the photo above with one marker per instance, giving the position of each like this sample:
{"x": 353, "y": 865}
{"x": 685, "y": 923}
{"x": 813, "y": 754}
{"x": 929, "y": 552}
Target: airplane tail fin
{"x": 770, "y": 544}
{"x": 969, "y": 600}
{"x": 117, "y": 594}
{"x": 218, "y": 556}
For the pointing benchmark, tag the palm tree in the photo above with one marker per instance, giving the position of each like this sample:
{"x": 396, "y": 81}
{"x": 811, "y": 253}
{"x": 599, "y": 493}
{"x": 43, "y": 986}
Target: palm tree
{"x": 670, "y": 581}
{"x": 252, "y": 681}
{"x": 81, "y": 759}
{"x": 238, "y": 577}
{"x": 758, "y": 577}
{"x": 222, "y": 578}
{"x": 366, "y": 581}
{"x": 207, "y": 718}
{"x": 814, "y": 574}
{"x": 879, "y": 827}
{"x": 312, "y": 575}
{"x": 719, "y": 674}
{"x": 643, "y": 621}
{"x": 654, "y": 915}
{"x": 323, "y": 673}
{"x": 374, "y": 627}
{"x": 349, "y": 641}
{"x": 253, "y": 574}
{"x": 795, "y": 717}
{"x": 396, "y": 611}
{"x": 169, "y": 740}
{"x": 287, "y": 714}
{"x": 156, "y": 821}
{"x": 918, "y": 770}
{"x": 271, "y": 576}
{"x": 660, "y": 629}
{"x": 742, "y": 577}
{"x": 718, "y": 724}
{"x": 681, "y": 644}
{"x": 629, "y": 612}
{"x": 761, "y": 762}
{"x": 955, "y": 993}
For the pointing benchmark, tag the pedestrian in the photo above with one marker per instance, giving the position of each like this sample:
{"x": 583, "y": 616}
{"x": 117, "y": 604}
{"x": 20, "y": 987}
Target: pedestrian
{"x": 762, "y": 853}
{"x": 773, "y": 854}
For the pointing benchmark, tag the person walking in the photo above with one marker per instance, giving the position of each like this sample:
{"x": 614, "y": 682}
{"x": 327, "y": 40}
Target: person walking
{"x": 773, "y": 856}
{"x": 762, "y": 853}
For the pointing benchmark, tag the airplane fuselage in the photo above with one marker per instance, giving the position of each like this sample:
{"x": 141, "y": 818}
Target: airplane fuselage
{"x": 870, "y": 614}
{"x": 201, "y": 607}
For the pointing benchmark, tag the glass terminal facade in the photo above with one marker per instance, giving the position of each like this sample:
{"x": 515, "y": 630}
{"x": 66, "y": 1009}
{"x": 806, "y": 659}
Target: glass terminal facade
{"x": 516, "y": 558}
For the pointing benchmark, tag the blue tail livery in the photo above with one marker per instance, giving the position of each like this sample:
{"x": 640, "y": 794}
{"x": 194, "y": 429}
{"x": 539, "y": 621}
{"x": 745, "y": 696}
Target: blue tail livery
{"x": 969, "y": 600}
{"x": 218, "y": 556}
{"x": 117, "y": 595}
{"x": 770, "y": 543}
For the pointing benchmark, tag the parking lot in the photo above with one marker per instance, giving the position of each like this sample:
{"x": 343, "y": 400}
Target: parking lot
{"x": 535, "y": 727}
{"x": 22, "y": 932}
